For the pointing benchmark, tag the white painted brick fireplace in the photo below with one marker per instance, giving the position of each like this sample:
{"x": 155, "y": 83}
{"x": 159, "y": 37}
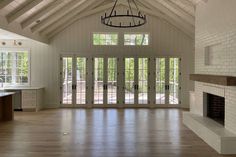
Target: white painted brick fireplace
{"x": 215, "y": 54}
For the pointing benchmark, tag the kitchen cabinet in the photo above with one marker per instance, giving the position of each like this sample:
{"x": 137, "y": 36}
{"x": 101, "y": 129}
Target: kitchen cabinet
{"x": 32, "y": 99}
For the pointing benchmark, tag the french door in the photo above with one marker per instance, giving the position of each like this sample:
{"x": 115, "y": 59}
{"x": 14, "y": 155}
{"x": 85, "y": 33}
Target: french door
{"x": 73, "y": 81}
{"x": 105, "y": 81}
{"x": 136, "y": 80}
{"x": 119, "y": 82}
{"x": 167, "y": 81}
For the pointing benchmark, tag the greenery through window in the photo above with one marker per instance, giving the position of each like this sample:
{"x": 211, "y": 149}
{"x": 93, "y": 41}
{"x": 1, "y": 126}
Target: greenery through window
{"x": 136, "y": 39}
{"x": 14, "y": 68}
{"x": 105, "y": 39}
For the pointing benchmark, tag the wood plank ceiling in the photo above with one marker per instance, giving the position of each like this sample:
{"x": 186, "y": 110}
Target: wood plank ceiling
{"x": 43, "y": 19}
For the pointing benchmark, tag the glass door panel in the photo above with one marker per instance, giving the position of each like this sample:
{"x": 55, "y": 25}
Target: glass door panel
{"x": 129, "y": 80}
{"x": 160, "y": 80}
{"x": 173, "y": 81}
{"x": 143, "y": 81}
{"x": 67, "y": 75}
{"x": 98, "y": 80}
{"x": 112, "y": 81}
{"x": 81, "y": 80}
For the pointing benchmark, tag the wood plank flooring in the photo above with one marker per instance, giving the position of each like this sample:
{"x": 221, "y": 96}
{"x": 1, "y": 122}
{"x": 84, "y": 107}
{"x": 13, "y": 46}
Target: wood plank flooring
{"x": 101, "y": 133}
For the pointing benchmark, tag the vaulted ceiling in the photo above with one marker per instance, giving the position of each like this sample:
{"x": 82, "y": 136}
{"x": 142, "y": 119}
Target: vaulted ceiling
{"x": 43, "y": 19}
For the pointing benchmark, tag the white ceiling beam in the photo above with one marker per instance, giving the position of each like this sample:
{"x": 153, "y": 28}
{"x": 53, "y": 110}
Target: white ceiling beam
{"x": 96, "y": 4}
{"x": 16, "y": 28}
{"x": 186, "y": 30}
{"x": 186, "y": 5}
{"x": 108, "y": 6}
{"x": 80, "y": 16}
{"x": 178, "y": 11}
{"x": 171, "y": 16}
{"x": 158, "y": 5}
{"x": 57, "y": 15}
{"x": 69, "y": 16}
{"x": 4, "y": 3}
{"x": 21, "y": 11}
{"x": 45, "y": 10}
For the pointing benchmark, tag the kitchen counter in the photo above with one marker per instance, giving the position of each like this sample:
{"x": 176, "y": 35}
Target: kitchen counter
{"x": 3, "y": 94}
{"x": 26, "y": 98}
{"x": 6, "y": 106}
{"x": 21, "y": 88}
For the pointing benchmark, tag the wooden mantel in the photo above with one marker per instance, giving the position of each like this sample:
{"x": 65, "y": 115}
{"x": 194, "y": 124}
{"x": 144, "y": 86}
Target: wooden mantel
{"x": 214, "y": 79}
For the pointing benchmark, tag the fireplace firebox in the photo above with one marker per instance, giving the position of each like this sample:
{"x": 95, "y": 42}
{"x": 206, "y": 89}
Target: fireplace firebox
{"x": 216, "y": 108}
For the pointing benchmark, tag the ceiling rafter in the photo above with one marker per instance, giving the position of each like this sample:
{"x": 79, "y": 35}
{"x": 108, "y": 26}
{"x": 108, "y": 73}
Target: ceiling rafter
{"x": 50, "y": 18}
{"x": 85, "y": 14}
{"x": 5, "y": 3}
{"x": 177, "y": 10}
{"x": 22, "y": 10}
{"x": 189, "y": 31}
{"x": 172, "y": 18}
{"x": 45, "y": 10}
{"x": 88, "y": 13}
{"x": 57, "y": 15}
{"x": 69, "y": 16}
{"x": 186, "y": 5}
{"x": 158, "y": 5}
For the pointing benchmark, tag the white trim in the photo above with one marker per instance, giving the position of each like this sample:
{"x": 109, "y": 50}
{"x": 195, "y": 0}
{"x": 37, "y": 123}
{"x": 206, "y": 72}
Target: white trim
{"x": 18, "y": 50}
{"x": 137, "y": 33}
{"x": 105, "y": 33}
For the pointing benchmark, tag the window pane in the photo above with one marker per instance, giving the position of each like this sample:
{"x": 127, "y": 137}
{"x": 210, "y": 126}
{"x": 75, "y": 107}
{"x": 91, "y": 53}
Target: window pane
{"x": 160, "y": 80}
{"x": 174, "y": 81}
{"x": 143, "y": 80}
{"x": 112, "y": 81}
{"x": 98, "y": 80}
{"x": 14, "y": 68}
{"x": 81, "y": 80}
{"x": 105, "y": 39}
{"x": 136, "y": 39}
{"x": 129, "y": 80}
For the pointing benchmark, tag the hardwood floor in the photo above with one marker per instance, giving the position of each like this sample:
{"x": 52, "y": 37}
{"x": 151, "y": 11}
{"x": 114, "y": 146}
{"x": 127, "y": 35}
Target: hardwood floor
{"x": 101, "y": 133}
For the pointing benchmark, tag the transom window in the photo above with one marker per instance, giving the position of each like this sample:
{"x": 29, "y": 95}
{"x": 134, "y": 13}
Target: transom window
{"x": 136, "y": 39}
{"x": 105, "y": 39}
{"x": 14, "y": 67}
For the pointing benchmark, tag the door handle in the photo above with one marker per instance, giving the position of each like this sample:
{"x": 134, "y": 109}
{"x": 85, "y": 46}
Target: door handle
{"x": 104, "y": 87}
{"x": 167, "y": 87}
{"x": 74, "y": 86}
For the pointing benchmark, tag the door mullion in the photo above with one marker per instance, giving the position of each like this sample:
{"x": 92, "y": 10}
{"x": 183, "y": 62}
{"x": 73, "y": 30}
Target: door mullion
{"x": 74, "y": 79}
{"x": 90, "y": 81}
{"x": 121, "y": 81}
{"x": 167, "y": 80}
{"x": 151, "y": 81}
{"x": 105, "y": 79}
{"x": 136, "y": 80}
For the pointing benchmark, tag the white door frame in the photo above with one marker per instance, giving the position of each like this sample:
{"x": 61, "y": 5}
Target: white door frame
{"x": 120, "y": 82}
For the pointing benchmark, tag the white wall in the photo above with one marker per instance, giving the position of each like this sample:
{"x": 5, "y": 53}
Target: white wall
{"x": 41, "y": 64}
{"x": 166, "y": 40}
{"x": 216, "y": 28}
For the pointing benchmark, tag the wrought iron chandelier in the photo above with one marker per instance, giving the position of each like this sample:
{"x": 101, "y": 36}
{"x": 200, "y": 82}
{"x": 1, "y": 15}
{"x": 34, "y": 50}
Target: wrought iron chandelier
{"x": 132, "y": 18}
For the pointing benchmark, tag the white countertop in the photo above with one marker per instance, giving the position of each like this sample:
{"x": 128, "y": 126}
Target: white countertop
{"x": 21, "y": 88}
{"x": 2, "y": 94}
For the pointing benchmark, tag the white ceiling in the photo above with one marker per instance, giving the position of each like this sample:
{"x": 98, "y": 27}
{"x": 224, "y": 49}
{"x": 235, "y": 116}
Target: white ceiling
{"x": 46, "y": 18}
{"x": 9, "y": 35}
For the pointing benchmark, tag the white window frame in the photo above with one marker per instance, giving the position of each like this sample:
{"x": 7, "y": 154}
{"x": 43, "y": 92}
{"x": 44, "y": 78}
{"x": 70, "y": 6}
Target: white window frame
{"x": 116, "y": 33}
{"x": 29, "y": 66}
{"x": 136, "y": 33}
